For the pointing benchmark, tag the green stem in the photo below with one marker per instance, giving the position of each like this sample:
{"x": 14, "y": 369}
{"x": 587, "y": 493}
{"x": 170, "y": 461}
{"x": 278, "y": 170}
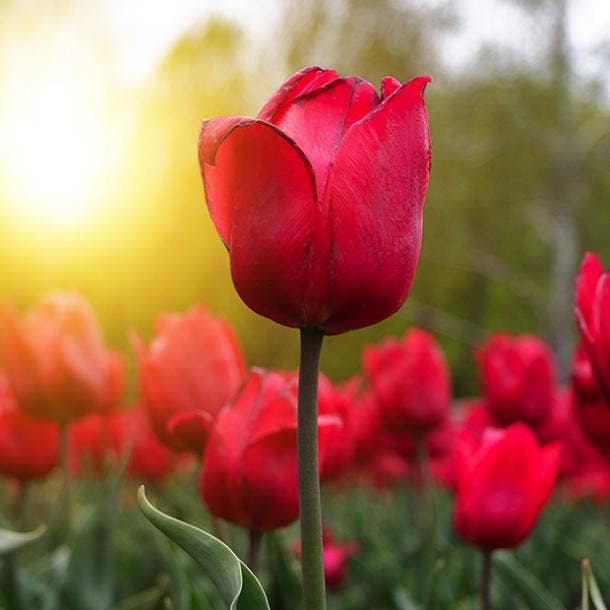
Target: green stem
{"x": 486, "y": 581}
{"x": 314, "y": 593}
{"x": 64, "y": 455}
{"x": 21, "y": 504}
{"x": 254, "y": 547}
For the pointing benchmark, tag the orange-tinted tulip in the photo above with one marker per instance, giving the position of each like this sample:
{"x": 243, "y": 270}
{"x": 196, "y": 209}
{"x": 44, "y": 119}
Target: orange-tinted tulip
{"x": 190, "y": 370}
{"x": 56, "y": 360}
{"x": 28, "y": 446}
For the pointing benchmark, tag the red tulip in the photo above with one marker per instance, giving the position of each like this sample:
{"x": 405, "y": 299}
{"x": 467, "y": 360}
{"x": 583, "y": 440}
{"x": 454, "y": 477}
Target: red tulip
{"x": 56, "y": 361}
{"x": 191, "y": 369}
{"x": 518, "y": 378}
{"x": 411, "y": 382}
{"x": 28, "y": 446}
{"x": 593, "y": 316}
{"x": 338, "y": 401}
{"x": 97, "y": 438}
{"x": 592, "y": 410}
{"x": 319, "y": 199}
{"x": 149, "y": 459}
{"x": 90, "y": 444}
{"x": 336, "y": 559}
{"x": 249, "y": 474}
{"x": 503, "y": 483}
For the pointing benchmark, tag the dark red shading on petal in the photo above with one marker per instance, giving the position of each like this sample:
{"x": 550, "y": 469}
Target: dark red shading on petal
{"x": 192, "y": 428}
{"x": 260, "y": 189}
{"x": 305, "y": 80}
{"x": 365, "y": 258}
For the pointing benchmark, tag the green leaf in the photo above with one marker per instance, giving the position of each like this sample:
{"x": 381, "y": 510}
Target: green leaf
{"x": 14, "y": 542}
{"x": 589, "y": 586}
{"x": 519, "y": 578}
{"x": 237, "y": 585}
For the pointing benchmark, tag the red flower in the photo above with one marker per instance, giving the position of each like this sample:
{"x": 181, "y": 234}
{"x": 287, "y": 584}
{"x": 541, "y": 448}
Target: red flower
{"x": 592, "y": 411}
{"x": 28, "y": 446}
{"x": 56, "y": 361}
{"x": 593, "y": 316}
{"x": 149, "y": 459}
{"x": 90, "y": 444}
{"x": 319, "y": 199}
{"x": 338, "y": 401}
{"x": 191, "y": 369}
{"x": 503, "y": 483}
{"x": 249, "y": 472}
{"x": 411, "y": 382}
{"x": 96, "y": 438}
{"x": 336, "y": 559}
{"x": 518, "y": 378}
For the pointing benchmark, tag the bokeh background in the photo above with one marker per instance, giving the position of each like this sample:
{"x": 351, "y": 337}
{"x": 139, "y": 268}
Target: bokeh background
{"x": 100, "y": 106}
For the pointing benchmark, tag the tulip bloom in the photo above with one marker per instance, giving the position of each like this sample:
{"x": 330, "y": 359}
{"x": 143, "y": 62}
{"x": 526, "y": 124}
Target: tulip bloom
{"x": 319, "y": 199}
{"x": 593, "y": 316}
{"x": 411, "y": 382}
{"x": 503, "y": 483}
{"x": 56, "y": 361}
{"x": 338, "y": 401}
{"x": 28, "y": 446}
{"x": 149, "y": 459}
{"x": 592, "y": 410}
{"x": 249, "y": 474}
{"x": 518, "y": 377}
{"x": 191, "y": 369}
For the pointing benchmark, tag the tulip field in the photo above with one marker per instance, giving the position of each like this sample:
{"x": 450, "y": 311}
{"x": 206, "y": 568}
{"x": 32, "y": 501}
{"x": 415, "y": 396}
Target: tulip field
{"x": 167, "y": 465}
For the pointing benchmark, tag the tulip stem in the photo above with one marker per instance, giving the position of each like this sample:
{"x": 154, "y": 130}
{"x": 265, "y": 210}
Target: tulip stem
{"x": 254, "y": 548}
{"x": 486, "y": 581}
{"x": 64, "y": 461}
{"x": 312, "y": 564}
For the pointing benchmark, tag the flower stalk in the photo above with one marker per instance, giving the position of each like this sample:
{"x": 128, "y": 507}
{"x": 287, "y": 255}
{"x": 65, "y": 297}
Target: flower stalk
{"x": 314, "y": 593}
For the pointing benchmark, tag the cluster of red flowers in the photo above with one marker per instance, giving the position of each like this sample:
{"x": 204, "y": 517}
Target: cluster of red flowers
{"x": 298, "y": 264}
{"x": 500, "y": 454}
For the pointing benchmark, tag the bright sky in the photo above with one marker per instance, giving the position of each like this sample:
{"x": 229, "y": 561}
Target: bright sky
{"x": 145, "y": 29}
{"x": 60, "y": 65}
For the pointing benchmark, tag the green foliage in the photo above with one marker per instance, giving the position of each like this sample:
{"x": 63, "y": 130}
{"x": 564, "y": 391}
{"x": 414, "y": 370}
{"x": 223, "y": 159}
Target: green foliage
{"x": 238, "y": 586}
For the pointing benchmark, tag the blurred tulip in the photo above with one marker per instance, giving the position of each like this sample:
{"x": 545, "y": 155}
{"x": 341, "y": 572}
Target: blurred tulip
{"x": 191, "y": 369}
{"x": 149, "y": 459}
{"x": 28, "y": 446}
{"x": 249, "y": 474}
{"x": 411, "y": 382}
{"x": 518, "y": 377}
{"x": 503, "y": 483}
{"x": 97, "y": 439}
{"x": 593, "y": 316}
{"x": 319, "y": 199}
{"x": 56, "y": 361}
{"x": 592, "y": 410}
{"x": 336, "y": 559}
{"x": 338, "y": 401}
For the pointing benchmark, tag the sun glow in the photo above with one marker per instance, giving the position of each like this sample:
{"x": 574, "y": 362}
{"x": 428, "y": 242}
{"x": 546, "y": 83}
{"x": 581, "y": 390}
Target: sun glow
{"x": 57, "y": 149}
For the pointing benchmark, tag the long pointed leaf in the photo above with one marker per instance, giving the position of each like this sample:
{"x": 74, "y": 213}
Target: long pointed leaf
{"x": 237, "y": 585}
{"x": 13, "y": 542}
{"x": 519, "y": 578}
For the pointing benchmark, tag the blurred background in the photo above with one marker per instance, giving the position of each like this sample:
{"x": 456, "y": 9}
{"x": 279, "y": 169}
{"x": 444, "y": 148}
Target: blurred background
{"x": 100, "y": 106}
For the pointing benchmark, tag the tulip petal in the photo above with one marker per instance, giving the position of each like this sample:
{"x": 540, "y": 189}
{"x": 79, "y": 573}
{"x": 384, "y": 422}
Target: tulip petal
{"x": 602, "y": 315}
{"x": 303, "y": 81}
{"x": 586, "y": 283}
{"x": 260, "y": 189}
{"x": 191, "y": 429}
{"x": 317, "y": 120}
{"x": 374, "y": 202}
